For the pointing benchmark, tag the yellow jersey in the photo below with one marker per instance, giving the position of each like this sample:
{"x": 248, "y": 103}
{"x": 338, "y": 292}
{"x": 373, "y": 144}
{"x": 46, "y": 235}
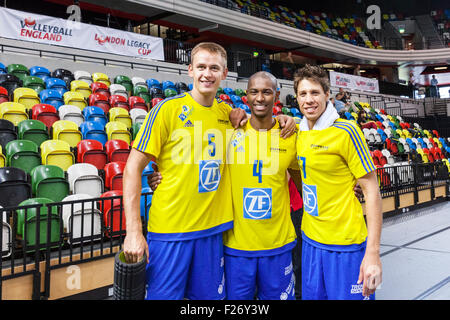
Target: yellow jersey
{"x": 189, "y": 143}
{"x": 257, "y": 162}
{"x": 331, "y": 160}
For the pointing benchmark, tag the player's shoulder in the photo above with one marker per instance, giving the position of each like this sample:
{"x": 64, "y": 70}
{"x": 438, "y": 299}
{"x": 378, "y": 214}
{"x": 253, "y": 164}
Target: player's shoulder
{"x": 348, "y": 126}
{"x": 223, "y": 106}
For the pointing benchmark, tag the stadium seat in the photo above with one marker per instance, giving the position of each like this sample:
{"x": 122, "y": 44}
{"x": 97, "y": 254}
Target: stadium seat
{"x": 117, "y": 150}
{"x": 148, "y": 170}
{"x": 26, "y": 96}
{"x": 18, "y": 70}
{"x": 35, "y": 83}
{"x": 94, "y": 130}
{"x": 10, "y": 83}
{"x": 101, "y": 100}
{"x": 41, "y": 72}
{"x": 58, "y": 153}
{"x": 35, "y": 219}
{"x": 156, "y": 92}
{"x": 65, "y": 75}
{"x": 13, "y": 111}
{"x": 155, "y": 101}
{"x": 138, "y": 81}
{"x": 6, "y": 235}
{"x": 168, "y": 85}
{"x": 114, "y": 175}
{"x": 66, "y": 130}
{"x": 153, "y": 83}
{"x": 137, "y": 115}
{"x": 100, "y": 87}
{"x": 181, "y": 87}
{"x": 14, "y": 186}
{"x": 91, "y": 151}
{"x": 49, "y": 181}
{"x": 84, "y": 178}
{"x": 22, "y": 154}
{"x": 7, "y": 132}
{"x": 119, "y": 101}
{"x": 113, "y": 213}
{"x": 137, "y": 103}
{"x": 46, "y": 113}
{"x": 75, "y": 99}
{"x": 142, "y": 92}
{"x": 52, "y": 97}
{"x": 117, "y": 130}
{"x": 32, "y": 130}
{"x": 120, "y": 115}
{"x": 81, "y": 87}
{"x": 3, "y": 68}
{"x": 81, "y": 218}
{"x": 101, "y": 77}
{"x": 56, "y": 84}
{"x": 125, "y": 82}
{"x": 85, "y": 76}
{"x": 135, "y": 129}
{"x": 91, "y": 113}
{"x": 71, "y": 113}
{"x": 4, "y": 97}
{"x": 2, "y": 158}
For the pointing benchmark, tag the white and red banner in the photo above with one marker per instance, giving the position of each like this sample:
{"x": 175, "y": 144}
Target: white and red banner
{"x": 26, "y": 26}
{"x": 352, "y": 82}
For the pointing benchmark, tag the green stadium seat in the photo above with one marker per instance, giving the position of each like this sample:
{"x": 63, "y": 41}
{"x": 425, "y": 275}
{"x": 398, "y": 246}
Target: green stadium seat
{"x": 32, "y": 130}
{"x": 22, "y": 154}
{"x": 35, "y": 83}
{"x": 19, "y": 70}
{"x": 48, "y": 181}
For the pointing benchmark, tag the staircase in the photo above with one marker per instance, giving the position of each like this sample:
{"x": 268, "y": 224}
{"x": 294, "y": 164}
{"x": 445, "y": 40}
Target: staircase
{"x": 432, "y": 38}
{"x": 436, "y": 107}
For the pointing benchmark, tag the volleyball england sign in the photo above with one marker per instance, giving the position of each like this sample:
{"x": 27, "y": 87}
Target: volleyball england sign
{"x": 26, "y": 26}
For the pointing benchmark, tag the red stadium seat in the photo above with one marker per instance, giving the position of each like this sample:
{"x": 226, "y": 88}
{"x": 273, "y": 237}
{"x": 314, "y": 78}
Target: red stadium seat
{"x": 100, "y": 87}
{"x": 113, "y": 213}
{"x": 155, "y": 101}
{"x": 244, "y": 99}
{"x": 137, "y": 102}
{"x": 119, "y": 101}
{"x": 91, "y": 151}
{"x": 114, "y": 175}
{"x": 435, "y": 133}
{"x": 3, "y": 95}
{"x": 101, "y": 100}
{"x": 45, "y": 113}
{"x": 117, "y": 150}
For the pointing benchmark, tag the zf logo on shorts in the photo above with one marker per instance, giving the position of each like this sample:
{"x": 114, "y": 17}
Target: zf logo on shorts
{"x": 209, "y": 175}
{"x": 310, "y": 200}
{"x": 257, "y": 203}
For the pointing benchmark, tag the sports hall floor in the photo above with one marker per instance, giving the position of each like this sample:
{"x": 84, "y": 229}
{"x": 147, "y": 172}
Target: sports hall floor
{"x": 415, "y": 253}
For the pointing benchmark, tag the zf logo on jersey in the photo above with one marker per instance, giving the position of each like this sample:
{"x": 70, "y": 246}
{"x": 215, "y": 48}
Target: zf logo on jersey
{"x": 257, "y": 203}
{"x": 310, "y": 200}
{"x": 209, "y": 176}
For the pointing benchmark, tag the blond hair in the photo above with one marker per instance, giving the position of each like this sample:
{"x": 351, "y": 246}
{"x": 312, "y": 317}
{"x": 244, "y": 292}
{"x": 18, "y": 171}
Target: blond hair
{"x": 211, "y": 47}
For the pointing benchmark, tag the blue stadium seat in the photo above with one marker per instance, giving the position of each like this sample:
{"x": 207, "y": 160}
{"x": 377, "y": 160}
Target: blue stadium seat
{"x": 95, "y": 113}
{"x": 153, "y": 83}
{"x": 94, "y": 130}
{"x": 168, "y": 84}
{"x": 56, "y": 84}
{"x": 40, "y": 72}
{"x": 52, "y": 97}
{"x": 2, "y": 68}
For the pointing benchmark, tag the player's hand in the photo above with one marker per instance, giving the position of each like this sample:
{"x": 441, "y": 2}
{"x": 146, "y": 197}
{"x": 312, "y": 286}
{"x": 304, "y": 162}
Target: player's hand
{"x": 370, "y": 273}
{"x": 287, "y": 124}
{"x": 134, "y": 247}
{"x": 238, "y": 117}
{"x": 155, "y": 178}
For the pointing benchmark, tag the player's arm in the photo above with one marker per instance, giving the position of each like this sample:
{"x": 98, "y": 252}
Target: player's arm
{"x": 135, "y": 244}
{"x": 371, "y": 270}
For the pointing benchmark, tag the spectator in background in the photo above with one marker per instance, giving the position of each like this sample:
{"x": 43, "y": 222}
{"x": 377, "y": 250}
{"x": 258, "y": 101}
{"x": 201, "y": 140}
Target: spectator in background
{"x": 357, "y": 71}
{"x": 338, "y": 103}
{"x": 346, "y": 96}
{"x": 434, "y": 92}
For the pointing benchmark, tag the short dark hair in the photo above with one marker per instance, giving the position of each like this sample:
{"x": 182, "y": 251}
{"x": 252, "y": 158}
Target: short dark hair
{"x": 314, "y": 73}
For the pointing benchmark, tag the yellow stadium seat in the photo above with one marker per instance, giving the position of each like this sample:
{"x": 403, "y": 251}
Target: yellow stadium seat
{"x": 75, "y": 99}
{"x": 68, "y": 131}
{"x": 57, "y": 152}
{"x": 116, "y": 130}
{"x": 101, "y": 77}
{"x": 13, "y": 111}
{"x": 121, "y": 115}
{"x": 2, "y": 158}
{"x": 26, "y": 96}
{"x": 81, "y": 87}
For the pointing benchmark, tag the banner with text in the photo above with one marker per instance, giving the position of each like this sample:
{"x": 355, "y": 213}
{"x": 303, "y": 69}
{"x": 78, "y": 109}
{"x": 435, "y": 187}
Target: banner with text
{"x": 352, "y": 82}
{"x": 49, "y": 30}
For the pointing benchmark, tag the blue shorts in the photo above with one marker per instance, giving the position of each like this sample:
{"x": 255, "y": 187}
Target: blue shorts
{"x": 190, "y": 269}
{"x": 331, "y": 275}
{"x": 269, "y": 277}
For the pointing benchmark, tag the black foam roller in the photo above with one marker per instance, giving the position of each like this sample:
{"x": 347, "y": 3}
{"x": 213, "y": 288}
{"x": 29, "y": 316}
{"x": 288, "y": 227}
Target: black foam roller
{"x": 129, "y": 278}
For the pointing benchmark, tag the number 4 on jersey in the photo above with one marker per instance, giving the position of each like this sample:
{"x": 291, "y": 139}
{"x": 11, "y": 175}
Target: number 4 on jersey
{"x": 257, "y": 170}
